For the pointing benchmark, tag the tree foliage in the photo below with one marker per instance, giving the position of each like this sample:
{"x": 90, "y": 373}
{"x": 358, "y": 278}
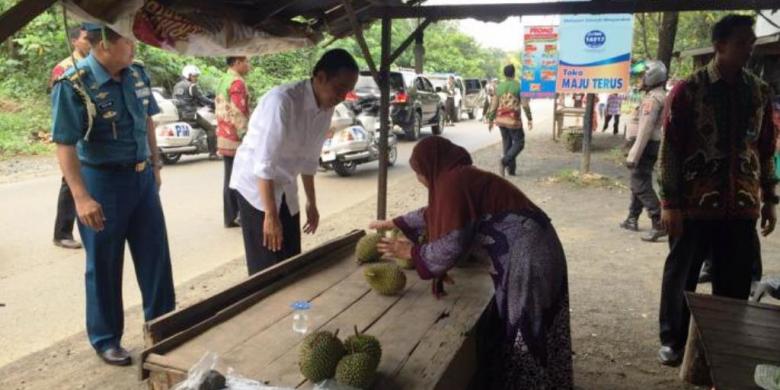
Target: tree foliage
{"x": 693, "y": 31}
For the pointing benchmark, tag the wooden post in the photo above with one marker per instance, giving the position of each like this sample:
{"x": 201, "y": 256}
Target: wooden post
{"x": 384, "y": 118}
{"x": 694, "y": 368}
{"x": 16, "y": 17}
{"x": 587, "y": 131}
{"x": 358, "y": 29}
{"x": 419, "y": 53}
{"x": 555, "y": 117}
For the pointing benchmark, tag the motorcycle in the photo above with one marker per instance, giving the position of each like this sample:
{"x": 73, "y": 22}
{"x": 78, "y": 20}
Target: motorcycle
{"x": 348, "y": 144}
{"x": 177, "y": 136}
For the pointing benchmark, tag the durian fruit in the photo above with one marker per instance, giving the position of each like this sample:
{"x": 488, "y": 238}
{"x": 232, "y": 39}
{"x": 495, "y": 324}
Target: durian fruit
{"x": 213, "y": 381}
{"x": 366, "y": 250}
{"x": 356, "y": 370}
{"x": 405, "y": 263}
{"x": 361, "y": 342}
{"x": 386, "y": 278}
{"x": 319, "y": 355}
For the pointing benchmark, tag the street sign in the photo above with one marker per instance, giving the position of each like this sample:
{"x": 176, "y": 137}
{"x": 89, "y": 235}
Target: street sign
{"x": 595, "y": 53}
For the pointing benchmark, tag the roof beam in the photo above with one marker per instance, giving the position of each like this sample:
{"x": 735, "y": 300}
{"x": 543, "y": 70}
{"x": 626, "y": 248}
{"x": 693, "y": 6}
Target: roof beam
{"x": 498, "y": 12}
{"x": 20, "y": 14}
{"x": 358, "y": 29}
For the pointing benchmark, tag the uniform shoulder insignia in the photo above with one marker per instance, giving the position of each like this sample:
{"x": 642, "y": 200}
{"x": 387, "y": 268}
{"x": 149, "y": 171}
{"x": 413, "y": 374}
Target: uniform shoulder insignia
{"x": 71, "y": 75}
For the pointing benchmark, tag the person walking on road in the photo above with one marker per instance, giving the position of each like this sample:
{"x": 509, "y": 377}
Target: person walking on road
{"x": 717, "y": 179}
{"x": 66, "y": 207}
{"x": 612, "y": 112}
{"x": 286, "y": 133}
{"x": 107, "y": 150}
{"x": 232, "y": 111}
{"x": 505, "y": 112}
{"x": 643, "y": 154}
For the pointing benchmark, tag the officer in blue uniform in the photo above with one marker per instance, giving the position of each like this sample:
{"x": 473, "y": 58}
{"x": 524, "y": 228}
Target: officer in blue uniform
{"x": 107, "y": 150}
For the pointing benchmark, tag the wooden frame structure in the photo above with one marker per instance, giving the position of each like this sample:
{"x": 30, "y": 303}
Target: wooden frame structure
{"x": 344, "y": 17}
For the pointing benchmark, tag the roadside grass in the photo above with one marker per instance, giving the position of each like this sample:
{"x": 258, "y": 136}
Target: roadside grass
{"x": 24, "y": 128}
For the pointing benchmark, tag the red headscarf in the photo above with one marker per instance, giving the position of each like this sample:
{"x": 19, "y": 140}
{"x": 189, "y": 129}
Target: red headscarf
{"x": 458, "y": 192}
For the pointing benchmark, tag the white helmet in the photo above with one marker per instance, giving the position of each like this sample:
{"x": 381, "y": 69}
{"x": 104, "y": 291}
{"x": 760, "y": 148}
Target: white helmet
{"x": 655, "y": 73}
{"x": 190, "y": 70}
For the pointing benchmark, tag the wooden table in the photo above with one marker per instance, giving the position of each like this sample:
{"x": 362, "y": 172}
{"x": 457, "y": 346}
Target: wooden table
{"x": 427, "y": 343}
{"x": 561, "y": 113}
{"x": 736, "y": 336}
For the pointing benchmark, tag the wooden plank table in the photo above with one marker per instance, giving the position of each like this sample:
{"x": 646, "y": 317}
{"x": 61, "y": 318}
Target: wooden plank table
{"x": 427, "y": 343}
{"x": 736, "y": 336}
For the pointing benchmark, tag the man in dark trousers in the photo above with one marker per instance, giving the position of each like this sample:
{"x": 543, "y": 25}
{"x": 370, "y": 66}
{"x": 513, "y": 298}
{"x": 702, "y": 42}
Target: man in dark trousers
{"x": 717, "y": 179}
{"x": 232, "y": 111}
{"x": 107, "y": 150}
{"x": 643, "y": 154}
{"x": 66, "y": 208}
{"x": 286, "y": 132}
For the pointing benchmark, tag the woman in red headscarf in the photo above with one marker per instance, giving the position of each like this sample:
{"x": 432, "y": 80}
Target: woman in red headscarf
{"x": 475, "y": 213}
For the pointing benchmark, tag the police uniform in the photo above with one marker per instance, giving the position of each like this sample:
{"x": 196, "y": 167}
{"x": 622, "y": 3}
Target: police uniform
{"x": 107, "y": 122}
{"x": 644, "y": 154}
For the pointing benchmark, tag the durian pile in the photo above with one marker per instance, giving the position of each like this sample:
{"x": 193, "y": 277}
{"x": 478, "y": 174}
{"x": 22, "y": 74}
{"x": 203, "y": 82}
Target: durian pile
{"x": 353, "y": 362}
{"x": 384, "y": 278}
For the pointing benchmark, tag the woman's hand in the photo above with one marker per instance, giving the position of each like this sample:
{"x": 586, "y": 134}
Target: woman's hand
{"x": 382, "y": 225}
{"x": 400, "y": 248}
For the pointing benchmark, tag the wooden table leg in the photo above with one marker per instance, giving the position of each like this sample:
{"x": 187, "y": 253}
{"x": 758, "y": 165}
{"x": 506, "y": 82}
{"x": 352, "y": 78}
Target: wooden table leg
{"x": 694, "y": 368}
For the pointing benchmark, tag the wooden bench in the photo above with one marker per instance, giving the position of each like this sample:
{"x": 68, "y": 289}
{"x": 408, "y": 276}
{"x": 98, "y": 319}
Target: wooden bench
{"x": 427, "y": 343}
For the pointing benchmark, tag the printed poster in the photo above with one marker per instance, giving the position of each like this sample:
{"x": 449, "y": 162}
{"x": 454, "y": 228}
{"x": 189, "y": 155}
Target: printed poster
{"x": 540, "y": 62}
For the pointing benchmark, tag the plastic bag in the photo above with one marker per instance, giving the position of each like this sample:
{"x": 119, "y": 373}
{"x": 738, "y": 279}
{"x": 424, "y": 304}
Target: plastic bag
{"x": 198, "y": 373}
{"x": 767, "y": 377}
{"x": 331, "y": 384}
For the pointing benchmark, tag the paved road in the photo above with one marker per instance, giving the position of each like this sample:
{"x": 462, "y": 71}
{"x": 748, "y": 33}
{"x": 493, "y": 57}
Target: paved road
{"x": 42, "y": 285}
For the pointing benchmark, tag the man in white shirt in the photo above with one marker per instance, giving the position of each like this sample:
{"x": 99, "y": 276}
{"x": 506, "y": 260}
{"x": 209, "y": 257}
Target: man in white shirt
{"x": 286, "y": 133}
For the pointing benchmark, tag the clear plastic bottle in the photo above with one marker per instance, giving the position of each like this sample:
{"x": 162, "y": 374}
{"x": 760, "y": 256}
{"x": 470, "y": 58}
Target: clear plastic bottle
{"x": 300, "y": 316}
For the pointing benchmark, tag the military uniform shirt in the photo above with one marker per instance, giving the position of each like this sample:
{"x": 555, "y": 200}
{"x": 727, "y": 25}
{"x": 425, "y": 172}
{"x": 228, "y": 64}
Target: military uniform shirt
{"x": 119, "y": 130}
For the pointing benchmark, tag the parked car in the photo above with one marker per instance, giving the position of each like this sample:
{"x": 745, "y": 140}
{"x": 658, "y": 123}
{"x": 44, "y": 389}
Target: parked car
{"x": 475, "y": 97}
{"x": 439, "y": 81}
{"x": 413, "y": 102}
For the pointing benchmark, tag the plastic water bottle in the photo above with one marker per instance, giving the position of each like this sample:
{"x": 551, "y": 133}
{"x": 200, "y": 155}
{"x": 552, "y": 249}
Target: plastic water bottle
{"x": 300, "y": 316}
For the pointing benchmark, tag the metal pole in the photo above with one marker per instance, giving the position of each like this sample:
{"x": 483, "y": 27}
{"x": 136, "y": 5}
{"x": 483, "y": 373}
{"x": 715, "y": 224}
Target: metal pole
{"x": 587, "y": 131}
{"x": 384, "y": 118}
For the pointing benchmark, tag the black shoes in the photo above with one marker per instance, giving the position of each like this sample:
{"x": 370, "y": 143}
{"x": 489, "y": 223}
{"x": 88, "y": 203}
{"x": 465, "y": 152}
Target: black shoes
{"x": 67, "y": 243}
{"x": 116, "y": 356}
{"x": 669, "y": 357}
{"x": 631, "y": 224}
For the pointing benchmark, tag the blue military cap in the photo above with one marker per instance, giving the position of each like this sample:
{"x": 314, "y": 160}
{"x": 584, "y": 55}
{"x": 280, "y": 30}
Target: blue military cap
{"x": 91, "y": 26}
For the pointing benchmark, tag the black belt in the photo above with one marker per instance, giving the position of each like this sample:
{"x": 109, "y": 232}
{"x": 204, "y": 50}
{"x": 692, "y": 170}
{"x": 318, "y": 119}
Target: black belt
{"x": 119, "y": 167}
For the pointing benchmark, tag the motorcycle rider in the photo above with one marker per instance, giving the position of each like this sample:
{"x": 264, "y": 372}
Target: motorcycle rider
{"x": 190, "y": 98}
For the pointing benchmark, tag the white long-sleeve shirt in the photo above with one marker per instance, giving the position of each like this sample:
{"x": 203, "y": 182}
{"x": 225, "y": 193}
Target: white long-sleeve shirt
{"x": 285, "y": 137}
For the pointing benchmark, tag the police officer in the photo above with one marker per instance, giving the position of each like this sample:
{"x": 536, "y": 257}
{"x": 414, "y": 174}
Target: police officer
{"x": 101, "y": 113}
{"x": 66, "y": 208}
{"x": 644, "y": 153}
{"x": 190, "y": 98}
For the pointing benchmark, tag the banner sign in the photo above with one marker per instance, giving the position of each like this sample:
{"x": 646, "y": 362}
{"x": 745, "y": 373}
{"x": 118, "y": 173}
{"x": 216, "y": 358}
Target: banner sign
{"x": 595, "y": 53}
{"x": 540, "y": 62}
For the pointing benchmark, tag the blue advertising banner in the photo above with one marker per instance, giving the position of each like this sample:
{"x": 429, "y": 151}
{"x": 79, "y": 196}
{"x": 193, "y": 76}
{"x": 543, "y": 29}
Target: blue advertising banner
{"x": 595, "y": 53}
{"x": 540, "y": 62}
